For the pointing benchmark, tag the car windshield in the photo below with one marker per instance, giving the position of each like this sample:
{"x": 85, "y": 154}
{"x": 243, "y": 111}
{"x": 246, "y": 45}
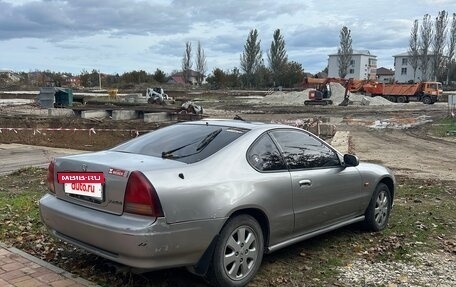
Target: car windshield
{"x": 187, "y": 143}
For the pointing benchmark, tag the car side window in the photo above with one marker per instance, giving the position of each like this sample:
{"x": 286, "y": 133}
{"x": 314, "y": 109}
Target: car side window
{"x": 264, "y": 155}
{"x": 302, "y": 150}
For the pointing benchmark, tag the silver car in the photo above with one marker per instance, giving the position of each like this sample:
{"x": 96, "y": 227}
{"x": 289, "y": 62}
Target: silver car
{"x": 212, "y": 195}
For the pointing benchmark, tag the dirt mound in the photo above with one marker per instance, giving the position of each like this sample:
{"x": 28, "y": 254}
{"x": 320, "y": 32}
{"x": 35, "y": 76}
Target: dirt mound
{"x": 337, "y": 96}
{"x": 286, "y": 99}
{"x": 338, "y": 92}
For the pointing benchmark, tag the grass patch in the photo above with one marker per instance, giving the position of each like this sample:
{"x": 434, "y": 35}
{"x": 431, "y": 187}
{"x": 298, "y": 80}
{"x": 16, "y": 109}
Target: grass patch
{"x": 441, "y": 128}
{"x": 422, "y": 220}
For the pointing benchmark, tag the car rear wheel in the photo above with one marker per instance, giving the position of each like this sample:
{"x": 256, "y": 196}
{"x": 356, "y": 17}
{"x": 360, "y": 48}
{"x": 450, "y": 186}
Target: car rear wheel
{"x": 378, "y": 211}
{"x": 238, "y": 252}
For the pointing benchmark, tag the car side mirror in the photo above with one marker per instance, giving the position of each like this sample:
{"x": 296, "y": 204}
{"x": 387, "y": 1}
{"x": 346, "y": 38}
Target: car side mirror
{"x": 351, "y": 160}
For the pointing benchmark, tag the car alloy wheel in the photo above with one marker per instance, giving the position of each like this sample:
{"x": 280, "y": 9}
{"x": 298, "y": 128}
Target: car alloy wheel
{"x": 378, "y": 211}
{"x": 381, "y": 208}
{"x": 238, "y": 252}
{"x": 241, "y": 253}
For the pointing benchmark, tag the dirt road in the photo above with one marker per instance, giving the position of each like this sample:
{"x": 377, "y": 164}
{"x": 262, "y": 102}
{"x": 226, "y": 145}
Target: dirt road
{"x": 412, "y": 152}
{"x": 17, "y": 156}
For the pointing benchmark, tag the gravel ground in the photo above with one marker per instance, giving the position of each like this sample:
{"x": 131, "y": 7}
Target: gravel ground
{"x": 425, "y": 269}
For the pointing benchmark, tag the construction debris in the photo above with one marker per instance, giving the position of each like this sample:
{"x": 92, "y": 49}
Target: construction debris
{"x": 192, "y": 108}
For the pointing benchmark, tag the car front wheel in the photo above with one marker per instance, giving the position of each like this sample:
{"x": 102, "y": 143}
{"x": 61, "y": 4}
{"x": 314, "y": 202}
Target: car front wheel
{"x": 378, "y": 211}
{"x": 238, "y": 252}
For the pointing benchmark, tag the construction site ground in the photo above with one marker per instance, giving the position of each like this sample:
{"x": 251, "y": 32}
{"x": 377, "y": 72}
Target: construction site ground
{"x": 397, "y": 135}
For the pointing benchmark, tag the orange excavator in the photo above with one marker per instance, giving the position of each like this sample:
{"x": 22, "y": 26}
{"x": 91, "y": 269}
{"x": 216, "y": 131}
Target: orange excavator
{"x": 320, "y": 93}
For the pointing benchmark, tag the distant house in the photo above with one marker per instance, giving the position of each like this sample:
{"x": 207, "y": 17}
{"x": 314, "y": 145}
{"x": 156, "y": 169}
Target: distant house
{"x": 385, "y": 75}
{"x": 178, "y": 78}
{"x": 72, "y": 82}
{"x": 363, "y": 66}
{"x": 404, "y": 71}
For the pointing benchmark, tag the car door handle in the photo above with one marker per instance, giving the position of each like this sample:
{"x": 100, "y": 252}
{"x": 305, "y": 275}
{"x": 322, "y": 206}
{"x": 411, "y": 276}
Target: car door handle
{"x": 305, "y": 183}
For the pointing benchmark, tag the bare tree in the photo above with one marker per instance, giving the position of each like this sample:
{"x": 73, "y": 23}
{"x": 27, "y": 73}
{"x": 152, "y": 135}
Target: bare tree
{"x": 451, "y": 45}
{"x": 278, "y": 58}
{"x": 426, "y": 33}
{"x": 345, "y": 51}
{"x": 438, "y": 45}
{"x": 413, "y": 50}
{"x": 187, "y": 62}
{"x": 251, "y": 58}
{"x": 200, "y": 63}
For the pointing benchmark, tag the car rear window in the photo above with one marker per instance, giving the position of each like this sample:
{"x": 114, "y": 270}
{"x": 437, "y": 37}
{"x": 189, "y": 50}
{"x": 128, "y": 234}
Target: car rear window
{"x": 187, "y": 143}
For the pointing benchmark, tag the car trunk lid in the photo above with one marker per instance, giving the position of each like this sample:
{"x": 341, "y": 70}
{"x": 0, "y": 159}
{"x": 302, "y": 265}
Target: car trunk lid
{"x": 115, "y": 167}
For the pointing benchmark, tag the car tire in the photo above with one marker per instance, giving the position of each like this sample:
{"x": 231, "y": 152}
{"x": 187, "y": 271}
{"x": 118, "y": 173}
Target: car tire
{"x": 238, "y": 253}
{"x": 379, "y": 209}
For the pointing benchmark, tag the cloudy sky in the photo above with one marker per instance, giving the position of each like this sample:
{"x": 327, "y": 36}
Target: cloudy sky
{"x": 116, "y": 36}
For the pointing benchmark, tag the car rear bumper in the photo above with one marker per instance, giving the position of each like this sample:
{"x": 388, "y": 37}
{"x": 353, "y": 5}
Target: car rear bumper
{"x": 136, "y": 241}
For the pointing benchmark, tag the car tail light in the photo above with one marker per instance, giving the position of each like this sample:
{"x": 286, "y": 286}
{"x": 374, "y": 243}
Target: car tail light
{"x": 50, "y": 177}
{"x": 141, "y": 197}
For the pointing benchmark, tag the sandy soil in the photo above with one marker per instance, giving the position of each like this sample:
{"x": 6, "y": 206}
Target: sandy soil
{"x": 412, "y": 153}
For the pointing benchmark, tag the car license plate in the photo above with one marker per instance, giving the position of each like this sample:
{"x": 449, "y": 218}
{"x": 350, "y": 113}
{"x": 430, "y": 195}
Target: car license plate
{"x": 88, "y": 189}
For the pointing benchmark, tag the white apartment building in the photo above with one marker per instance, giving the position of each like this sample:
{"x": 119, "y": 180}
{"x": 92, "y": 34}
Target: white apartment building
{"x": 403, "y": 71}
{"x": 363, "y": 66}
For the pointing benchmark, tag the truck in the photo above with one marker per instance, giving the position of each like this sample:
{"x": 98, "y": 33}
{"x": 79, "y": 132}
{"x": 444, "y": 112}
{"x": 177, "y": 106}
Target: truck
{"x": 425, "y": 92}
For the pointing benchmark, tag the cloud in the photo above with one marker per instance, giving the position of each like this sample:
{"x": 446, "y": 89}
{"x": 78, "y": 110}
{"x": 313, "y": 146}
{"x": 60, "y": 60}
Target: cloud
{"x": 128, "y": 34}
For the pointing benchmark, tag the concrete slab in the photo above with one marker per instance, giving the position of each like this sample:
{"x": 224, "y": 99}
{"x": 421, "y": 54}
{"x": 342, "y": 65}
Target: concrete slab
{"x": 156, "y": 117}
{"x": 60, "y": 113}
{"x": 17, "y": 156}
{"x": 340, "y": 141}
{"x": 119, "y": 115}
{"x": 15, "y": 102}
{"x": 323, "y": 129}
{"x": 94, "y": 114}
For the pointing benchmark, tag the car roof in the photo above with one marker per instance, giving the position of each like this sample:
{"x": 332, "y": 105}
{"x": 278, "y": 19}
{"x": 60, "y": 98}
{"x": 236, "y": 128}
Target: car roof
{"x": 237, "y": 124}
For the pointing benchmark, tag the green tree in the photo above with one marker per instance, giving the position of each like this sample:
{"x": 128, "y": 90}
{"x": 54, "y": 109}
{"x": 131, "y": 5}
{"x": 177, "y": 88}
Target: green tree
{"x": 451, "y": 45}
{"x": 345, "y": 51}
{"x": 159, "y": 76}
{"x": 294, "y": 73}
{"x": 262, "y": 77}
{"x": 251, "y": 58}
{"x": 277, "y": 57}
{"x": 413, "y": 50}
{"x": 136, "y": 77}
{"x": 217, "y": 79}
{"x": 187, "y": 62}
{"x": 425, "y": 42}
{"x": 438, "y": 43}
{"x": 234, "y": 79}
{"x": 200, "y": 63}
{"x": 89, "y": 79}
